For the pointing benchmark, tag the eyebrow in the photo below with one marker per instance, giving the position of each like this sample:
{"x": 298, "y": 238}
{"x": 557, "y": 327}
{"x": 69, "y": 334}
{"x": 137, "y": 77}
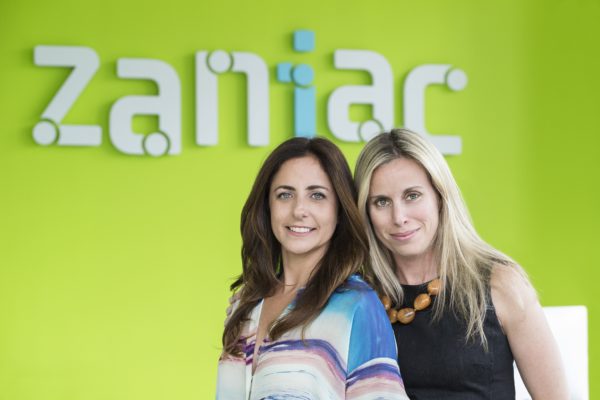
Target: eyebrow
{"x": 311, "y": 187}
{"x": 408, "y": 189}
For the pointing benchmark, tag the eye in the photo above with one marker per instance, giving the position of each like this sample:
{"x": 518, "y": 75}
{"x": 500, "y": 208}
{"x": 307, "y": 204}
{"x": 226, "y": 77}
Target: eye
{"x": 284, "y": 195}
{"x": 413, "y": 196}
{"x": 318, "y": 196}
{"x": 381, "y": 202}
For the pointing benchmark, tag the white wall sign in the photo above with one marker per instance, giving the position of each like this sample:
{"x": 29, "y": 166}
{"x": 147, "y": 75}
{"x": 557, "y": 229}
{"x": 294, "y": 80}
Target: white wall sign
{"x": 166, "y": 104}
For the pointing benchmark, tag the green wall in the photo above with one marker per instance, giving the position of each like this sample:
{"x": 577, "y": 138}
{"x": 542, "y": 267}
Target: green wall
{"x": 114, "y": 269}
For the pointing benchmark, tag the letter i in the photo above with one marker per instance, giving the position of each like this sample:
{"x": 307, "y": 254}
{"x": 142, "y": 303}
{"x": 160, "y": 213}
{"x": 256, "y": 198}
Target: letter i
{"x": 304, "y": 93}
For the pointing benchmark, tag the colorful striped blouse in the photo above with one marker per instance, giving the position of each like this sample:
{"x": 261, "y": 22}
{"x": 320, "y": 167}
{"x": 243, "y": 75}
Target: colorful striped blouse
{"x": 348, "y": 352}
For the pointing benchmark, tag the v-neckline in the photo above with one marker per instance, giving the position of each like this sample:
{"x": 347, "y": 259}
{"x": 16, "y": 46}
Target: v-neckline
{"x": 257, "y": 347}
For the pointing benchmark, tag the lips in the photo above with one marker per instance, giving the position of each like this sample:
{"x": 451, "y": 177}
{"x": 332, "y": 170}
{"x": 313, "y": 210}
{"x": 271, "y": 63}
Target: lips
{"x": 401, "y": 236}
{"x": 299, "y": 229}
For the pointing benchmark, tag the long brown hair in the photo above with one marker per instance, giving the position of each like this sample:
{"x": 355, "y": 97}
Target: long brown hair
{"x": 261, "y": 252}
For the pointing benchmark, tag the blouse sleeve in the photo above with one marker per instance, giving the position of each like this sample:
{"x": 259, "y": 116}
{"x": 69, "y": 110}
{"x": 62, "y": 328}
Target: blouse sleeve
{"x": 373, "y": 371}
{"x": 231, "y": 371}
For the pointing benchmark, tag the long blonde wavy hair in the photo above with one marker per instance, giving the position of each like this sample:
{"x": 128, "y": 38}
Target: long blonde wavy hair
{"x": 465, "y": 261}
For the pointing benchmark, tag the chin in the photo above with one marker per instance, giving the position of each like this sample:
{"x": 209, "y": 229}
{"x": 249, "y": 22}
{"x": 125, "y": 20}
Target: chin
{"x": 409, "y": 251}
{"x": 299, "y": 250}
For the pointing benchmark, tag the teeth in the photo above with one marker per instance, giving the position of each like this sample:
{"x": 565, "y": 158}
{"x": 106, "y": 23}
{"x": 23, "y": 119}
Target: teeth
{"x": 298, "y": 229}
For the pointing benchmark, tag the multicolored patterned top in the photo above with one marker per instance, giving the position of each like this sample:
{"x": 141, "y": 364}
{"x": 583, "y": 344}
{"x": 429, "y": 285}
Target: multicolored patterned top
{"x": 348, "y": 352}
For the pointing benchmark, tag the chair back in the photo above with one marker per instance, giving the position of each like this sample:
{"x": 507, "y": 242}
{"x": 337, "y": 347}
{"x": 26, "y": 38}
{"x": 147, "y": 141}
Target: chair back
{"x": 569, "y": 326}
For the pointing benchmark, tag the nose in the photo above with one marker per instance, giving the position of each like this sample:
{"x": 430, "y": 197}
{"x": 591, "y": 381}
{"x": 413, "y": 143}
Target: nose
{"x": 399, "y": 216}
{"x": 300, "y": 210}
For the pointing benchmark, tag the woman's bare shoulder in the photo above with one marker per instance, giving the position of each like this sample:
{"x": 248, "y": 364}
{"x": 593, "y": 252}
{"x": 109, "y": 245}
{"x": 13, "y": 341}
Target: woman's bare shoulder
{"x": 512, "y": 293}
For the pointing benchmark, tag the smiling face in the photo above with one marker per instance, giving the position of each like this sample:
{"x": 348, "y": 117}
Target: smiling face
{"x": 404, "y": 209}
{"x": 303, "y": 207}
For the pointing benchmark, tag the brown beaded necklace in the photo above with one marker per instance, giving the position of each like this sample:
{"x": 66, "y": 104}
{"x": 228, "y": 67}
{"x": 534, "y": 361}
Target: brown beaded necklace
{"x": 406, "y": 315}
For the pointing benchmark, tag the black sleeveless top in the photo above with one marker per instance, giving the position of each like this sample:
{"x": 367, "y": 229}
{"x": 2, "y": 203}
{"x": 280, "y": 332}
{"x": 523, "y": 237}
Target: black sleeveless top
{"x": 437, "y": 363}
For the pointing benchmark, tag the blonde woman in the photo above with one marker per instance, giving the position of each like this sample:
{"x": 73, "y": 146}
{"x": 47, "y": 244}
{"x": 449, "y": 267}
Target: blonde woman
{"x": 461, "y": 310}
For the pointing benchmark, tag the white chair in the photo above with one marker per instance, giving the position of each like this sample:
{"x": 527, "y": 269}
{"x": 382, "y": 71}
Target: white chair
{"x": 569, "y": 326}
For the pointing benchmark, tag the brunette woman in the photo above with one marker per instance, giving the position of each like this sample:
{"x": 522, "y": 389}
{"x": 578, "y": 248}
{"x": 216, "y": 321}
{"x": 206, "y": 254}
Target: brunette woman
{"x": 305, "y": 326}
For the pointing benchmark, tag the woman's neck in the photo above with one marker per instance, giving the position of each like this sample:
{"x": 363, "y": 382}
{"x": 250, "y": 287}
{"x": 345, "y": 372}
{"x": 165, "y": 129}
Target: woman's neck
{"x": 297, "y": 269}
{"x": 416, "y": 270}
